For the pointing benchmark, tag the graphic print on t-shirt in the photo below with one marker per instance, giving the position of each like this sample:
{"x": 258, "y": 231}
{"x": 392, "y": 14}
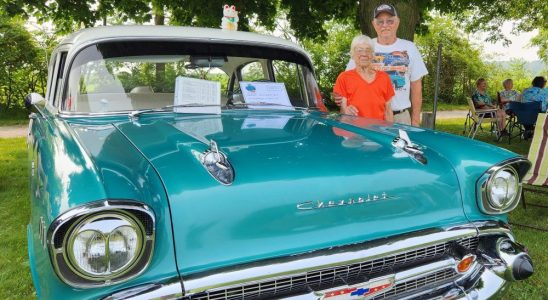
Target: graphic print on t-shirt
{"x": 395, "y": 64}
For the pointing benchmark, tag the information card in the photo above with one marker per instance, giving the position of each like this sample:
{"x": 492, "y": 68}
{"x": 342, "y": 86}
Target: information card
{"x": 265, "y": 93}
{"x": 201, "y": 96}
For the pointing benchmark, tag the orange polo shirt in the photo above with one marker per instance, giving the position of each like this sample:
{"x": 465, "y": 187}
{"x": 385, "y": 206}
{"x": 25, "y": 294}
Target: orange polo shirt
{"x": 369, "y": 98}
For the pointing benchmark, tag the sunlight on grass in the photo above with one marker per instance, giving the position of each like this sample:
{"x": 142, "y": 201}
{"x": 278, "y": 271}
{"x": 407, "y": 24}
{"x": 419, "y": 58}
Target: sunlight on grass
{"x": 15, "y": 280}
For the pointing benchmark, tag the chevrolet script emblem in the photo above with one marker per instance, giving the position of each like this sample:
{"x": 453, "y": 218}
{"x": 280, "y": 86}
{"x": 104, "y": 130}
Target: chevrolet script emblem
{"x": 338, "y": 203}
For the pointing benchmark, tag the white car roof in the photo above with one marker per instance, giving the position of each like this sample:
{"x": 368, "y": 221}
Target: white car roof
{"x": 90, "y": 35}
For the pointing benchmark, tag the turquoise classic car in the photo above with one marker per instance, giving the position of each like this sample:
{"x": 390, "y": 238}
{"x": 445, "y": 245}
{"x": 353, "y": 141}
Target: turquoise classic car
{"x": 190, "y": 163}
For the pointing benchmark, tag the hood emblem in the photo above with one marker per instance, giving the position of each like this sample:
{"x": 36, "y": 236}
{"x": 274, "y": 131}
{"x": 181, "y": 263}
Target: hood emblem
{"x": 403, "y": 143}
{"x": 338, "y": 203}
{"x": 217, "y": 164}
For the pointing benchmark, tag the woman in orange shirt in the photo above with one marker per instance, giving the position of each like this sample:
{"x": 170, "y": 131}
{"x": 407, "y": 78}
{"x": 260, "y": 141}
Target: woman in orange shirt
{"x": 363, "y": 91}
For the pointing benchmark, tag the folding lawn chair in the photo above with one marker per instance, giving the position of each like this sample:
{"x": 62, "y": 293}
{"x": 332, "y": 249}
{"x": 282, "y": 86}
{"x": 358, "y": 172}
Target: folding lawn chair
{"x": 524, "y": 118}
{"x": 475, "y": 118}
{"x": 538, "y": 155}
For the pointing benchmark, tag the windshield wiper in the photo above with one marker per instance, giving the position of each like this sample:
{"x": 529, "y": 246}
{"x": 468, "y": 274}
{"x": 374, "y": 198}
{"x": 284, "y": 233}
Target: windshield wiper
{"x": 134, "y": 114}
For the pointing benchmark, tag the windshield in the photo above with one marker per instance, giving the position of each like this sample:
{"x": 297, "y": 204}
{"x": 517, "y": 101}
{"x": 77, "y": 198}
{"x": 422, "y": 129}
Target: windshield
{"x": 127, "y": 76}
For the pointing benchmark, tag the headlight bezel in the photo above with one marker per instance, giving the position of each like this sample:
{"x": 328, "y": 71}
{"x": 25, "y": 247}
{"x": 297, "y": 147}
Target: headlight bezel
{"x": 516, "y": 167}
{"x": 59, "y": 234}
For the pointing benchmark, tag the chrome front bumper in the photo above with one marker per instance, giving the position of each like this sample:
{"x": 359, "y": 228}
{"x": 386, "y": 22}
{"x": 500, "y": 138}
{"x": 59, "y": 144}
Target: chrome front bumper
{"x": 435, "y": 278}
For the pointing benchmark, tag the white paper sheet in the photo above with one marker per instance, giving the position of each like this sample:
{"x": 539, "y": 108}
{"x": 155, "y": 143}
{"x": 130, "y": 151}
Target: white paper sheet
{"x": 192, "y": 91}
{"x": 265, "y": 92}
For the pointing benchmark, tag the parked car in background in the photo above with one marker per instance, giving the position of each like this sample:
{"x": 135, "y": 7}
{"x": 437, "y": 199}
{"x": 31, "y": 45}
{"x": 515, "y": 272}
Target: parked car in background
{"x": 191, "y": 163}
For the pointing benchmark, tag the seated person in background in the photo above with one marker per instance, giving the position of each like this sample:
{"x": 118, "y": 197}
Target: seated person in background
{"x": 363, "y": 91}
{"x": 508, "y": 94}
{"x": 482, "y": 101}
{"x": 537, "y": 93}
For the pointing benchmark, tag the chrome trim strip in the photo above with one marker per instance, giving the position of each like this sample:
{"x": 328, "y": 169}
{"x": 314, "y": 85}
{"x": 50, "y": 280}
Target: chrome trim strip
{"x": 425, "y": 270}
{"x": 494, "y": 227}
{"x": 87, "y": 209}
{"x": 68, "y": 114}
{"x": 300, "y": 264}
{"x": 170, "y": 289}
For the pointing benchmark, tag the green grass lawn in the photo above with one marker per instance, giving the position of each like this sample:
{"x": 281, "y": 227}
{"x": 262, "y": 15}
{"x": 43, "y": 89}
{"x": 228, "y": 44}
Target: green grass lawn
{"x": 15, "y": 280}
{"x": 429, "y": 106}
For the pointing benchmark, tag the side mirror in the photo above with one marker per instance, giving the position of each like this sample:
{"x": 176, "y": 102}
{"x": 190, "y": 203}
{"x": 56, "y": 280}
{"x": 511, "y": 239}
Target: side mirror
{"x": 33, "y": 99}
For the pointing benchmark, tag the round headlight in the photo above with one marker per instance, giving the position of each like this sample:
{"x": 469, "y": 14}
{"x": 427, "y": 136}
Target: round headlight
{"x": 104, "y": 245}
{"x": 122, "y": 247}
{"x": 89, "y": 252}
{"x": 503, "y": 189}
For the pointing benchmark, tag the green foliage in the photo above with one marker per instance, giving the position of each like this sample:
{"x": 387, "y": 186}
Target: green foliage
{"x": 305, "y": 17}
{"x": 460, "y": 66}
{"x": 488, "y": 15}
{"x": 21, "y": 63}
{"x": 331, "y": 56}
{"x": 209, "y": 13}
{"x": 516, "y": 71}
{"x": 541, "y": 41}
{"x": 14, "y": 116}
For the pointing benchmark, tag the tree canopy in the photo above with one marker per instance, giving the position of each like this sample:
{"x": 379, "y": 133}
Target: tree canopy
{"x": 22, "y": 65}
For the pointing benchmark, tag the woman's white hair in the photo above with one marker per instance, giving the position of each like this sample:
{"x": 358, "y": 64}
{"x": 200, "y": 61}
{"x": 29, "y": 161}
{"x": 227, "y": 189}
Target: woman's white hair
{"x": 506, "y": 82}
{"x": 361, "y": 39}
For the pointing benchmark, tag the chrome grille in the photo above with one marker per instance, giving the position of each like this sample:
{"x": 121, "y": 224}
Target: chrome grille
{"x": 341, "y": 275}
{"x": 401, "y": 288}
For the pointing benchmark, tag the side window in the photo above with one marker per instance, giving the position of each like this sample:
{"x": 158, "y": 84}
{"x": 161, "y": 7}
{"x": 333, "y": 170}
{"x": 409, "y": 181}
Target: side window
{"x": 290, "y": 74}
{"x": 253, "y": 71}
{"x": 52, "y": 73}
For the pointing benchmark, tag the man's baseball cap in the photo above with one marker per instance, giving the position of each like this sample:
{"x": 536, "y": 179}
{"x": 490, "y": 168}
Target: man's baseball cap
{"x": 387, "y": 8}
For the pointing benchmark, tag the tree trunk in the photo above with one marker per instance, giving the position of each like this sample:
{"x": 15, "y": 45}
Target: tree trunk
{"x": 8, "y": 100}
{"x": 408, "y": 11}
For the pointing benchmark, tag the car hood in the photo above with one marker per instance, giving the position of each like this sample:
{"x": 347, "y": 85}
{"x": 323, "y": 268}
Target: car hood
{"x": 303, "y": 181}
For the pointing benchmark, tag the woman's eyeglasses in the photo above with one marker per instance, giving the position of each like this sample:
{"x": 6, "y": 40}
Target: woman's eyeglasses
{"x": 360, "y": 50}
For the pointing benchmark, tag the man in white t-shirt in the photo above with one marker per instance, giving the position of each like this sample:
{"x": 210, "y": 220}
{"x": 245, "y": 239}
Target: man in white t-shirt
{"x": 402, "y": 61}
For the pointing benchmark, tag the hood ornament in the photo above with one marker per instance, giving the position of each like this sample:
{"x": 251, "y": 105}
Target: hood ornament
{"x": 403, "y": 142}
{"x": 217, "y": 164}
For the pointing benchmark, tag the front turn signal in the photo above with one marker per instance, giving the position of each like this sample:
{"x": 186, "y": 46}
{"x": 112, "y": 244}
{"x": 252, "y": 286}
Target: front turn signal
{"x": 465, "y": 263}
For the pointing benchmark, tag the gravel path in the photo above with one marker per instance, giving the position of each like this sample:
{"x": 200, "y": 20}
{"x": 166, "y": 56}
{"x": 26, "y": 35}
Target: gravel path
{"x": 13, "y": 131}
{"x": 451, "y": 114}
{"x": 21, "y": 130}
